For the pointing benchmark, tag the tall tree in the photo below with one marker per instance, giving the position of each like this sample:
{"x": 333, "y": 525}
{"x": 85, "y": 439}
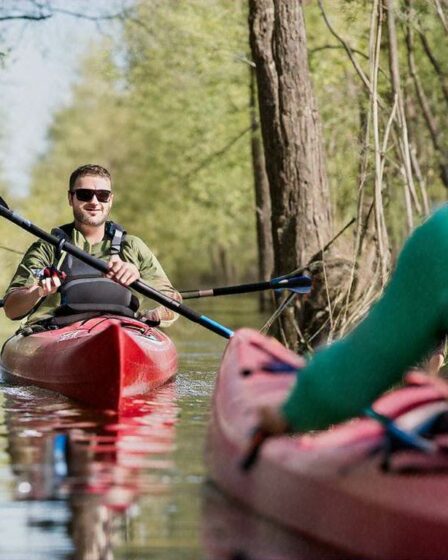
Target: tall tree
{"x": 292, "y": 136}
{"x": 262, "y": 198}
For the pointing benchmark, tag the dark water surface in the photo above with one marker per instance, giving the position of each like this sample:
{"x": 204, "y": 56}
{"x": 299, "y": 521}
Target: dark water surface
{"x": 81, "y": 484}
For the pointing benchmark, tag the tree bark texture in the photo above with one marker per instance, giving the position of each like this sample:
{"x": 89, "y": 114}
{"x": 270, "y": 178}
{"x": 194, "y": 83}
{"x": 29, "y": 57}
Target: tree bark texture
{"x": 262, "y": 199}
{"x": 292, "y": 137}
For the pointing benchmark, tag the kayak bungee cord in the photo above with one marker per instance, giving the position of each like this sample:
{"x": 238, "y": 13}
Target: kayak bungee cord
{"x": 139, "y": 286}
{"x": 407, "y": 439}
{"x": 396, "y": 438}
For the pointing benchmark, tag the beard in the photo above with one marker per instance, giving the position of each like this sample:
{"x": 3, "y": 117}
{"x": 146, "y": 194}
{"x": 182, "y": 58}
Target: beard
{"x": 83, "y": 217}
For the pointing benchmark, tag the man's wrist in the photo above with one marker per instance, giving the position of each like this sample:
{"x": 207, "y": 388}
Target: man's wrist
{"x": 19, "y": 302}
{"x": 35, "y": 292}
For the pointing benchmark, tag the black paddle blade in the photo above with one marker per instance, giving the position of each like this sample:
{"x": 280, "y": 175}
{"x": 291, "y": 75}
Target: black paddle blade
{"x": 3, "y": 203}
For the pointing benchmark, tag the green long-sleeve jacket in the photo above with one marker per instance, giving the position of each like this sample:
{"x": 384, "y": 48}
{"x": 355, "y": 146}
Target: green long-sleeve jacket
{"x": 41, "y": 254}
{"x": 401, "y": 329}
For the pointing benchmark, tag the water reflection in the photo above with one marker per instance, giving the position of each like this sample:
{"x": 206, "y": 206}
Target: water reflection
{"x": 96, "y": 465}
{"x": 75, "y": 484}
{"x": 232, "y": 532}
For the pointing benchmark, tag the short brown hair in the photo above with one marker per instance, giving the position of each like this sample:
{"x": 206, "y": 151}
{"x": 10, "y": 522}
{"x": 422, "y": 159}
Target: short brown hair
{"x": 88, "y": 169}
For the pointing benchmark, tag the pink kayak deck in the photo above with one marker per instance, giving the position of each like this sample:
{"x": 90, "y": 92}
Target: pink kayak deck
{"x": 99, "y": 362}
{"x": 328, "y": 485}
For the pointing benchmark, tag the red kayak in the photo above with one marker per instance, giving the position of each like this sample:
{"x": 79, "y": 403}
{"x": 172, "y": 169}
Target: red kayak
{"x": 332, "y": 485}
{"x": 99, "y": 362}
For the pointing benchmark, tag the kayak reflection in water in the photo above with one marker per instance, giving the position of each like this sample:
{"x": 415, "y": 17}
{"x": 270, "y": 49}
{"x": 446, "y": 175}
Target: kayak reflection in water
{"x": 403, "y": 327}
{"x": 35, "y": 292}
{"x": 85, "y": 471}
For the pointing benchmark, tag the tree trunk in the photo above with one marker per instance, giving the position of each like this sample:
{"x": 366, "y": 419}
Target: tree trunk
{"x": 262, "y": 200}
{"x": 292, "y": 137}
{"x": 223, "y": 266}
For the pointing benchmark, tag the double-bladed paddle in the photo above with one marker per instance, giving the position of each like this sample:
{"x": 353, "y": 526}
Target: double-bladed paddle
{"x": 298, "y": 284}
{"x": 102, "y": 266}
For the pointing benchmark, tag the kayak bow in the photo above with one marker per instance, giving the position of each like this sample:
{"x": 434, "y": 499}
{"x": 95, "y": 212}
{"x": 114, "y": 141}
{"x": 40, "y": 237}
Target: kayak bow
{"x": 100, "y": 362}
{"x": 330, "y": 485}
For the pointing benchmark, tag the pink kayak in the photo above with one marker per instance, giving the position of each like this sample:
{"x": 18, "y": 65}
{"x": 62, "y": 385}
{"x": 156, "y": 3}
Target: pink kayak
{"x": 330, "y": 485}
{"x": 100, "y": 362}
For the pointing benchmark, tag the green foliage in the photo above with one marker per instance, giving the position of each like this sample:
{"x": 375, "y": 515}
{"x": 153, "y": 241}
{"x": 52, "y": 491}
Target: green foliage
{"x": 165, "y": 106}
{"x": 9, "y": 237}
{"x": 343, "y": 102}
{"x": 162, "y": 108}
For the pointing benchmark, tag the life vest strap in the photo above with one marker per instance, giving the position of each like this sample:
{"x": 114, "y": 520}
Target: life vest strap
{"x": 114, "y": 231}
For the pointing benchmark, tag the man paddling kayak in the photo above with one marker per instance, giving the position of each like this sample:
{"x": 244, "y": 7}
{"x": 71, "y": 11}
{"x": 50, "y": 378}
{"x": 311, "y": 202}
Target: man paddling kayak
{"x": 33, "y": 291}
{"x": 403, "y": 327}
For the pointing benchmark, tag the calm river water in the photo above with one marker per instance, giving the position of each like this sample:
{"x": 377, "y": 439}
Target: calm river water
{"x": 77, "y": 484}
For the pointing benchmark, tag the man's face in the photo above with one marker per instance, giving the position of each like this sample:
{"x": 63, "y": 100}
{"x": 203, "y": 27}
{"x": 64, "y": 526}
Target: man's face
{"x": 92, "y": 212}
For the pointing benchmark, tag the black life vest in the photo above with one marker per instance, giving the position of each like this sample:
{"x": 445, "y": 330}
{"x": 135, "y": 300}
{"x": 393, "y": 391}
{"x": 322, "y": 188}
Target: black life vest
{"x": 85, "y": 288}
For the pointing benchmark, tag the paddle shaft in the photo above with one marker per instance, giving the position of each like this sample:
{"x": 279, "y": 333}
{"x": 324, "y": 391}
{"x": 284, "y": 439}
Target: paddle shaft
{"x": 102, "y": 266}
{"x": 274, "y": 284}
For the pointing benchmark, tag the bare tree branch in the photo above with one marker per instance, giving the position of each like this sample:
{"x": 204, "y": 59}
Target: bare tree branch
{"x": 403, "y": 136}
{"x": 316, "y": 259}
{"x": 346, "y": 46}
{"x": 375, "y": 48}
{"x": 43, "y": 11}
{"x": 118, "y": 15}
{"x": 429, "y": 118}
{"x": 311, "y": 52}
{"x": 441, "y": 14}
{"x": 28, "y": 17}
{"x": 421, "y": 95}
{"x": 420, "y": 178}
{"x": 216, "y": 154}
{"x": 337, "y": 47}
{"x": 436, "y": 65}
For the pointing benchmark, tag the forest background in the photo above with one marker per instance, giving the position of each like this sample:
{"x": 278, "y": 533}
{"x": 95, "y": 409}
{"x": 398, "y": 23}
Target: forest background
{"x": 169, "y": 105}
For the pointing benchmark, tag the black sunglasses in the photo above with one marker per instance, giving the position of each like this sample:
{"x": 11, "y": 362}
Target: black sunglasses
{"x": 86, "y": 195}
